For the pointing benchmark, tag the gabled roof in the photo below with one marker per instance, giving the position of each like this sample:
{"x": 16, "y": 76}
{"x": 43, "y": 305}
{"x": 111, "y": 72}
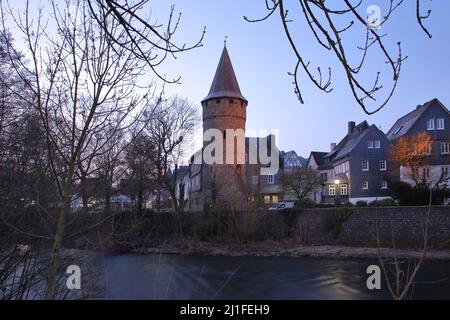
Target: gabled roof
{"x": 318, "y": 157}
{"x": 350, "y": 141}
{"x": 405, "y": 123}
{"x": 292, "y": 155}
{"x": 225, "y": 83}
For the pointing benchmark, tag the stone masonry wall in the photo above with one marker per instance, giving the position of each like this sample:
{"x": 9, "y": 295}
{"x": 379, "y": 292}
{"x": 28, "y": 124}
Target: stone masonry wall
{"x": 402, "y": 226}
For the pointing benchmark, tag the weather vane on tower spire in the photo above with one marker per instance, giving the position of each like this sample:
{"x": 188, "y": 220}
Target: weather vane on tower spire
{"x": 225, "y": 41}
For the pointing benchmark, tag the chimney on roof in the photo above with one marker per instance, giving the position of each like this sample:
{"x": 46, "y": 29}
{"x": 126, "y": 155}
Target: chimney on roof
{"x": 351, "y": 126}
{"x": 418, "y": 106}
{"x": 332, "y": 146}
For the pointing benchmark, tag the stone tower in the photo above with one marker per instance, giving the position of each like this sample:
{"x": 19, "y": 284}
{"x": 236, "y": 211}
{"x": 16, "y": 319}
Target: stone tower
{"x": 225, "y": 106}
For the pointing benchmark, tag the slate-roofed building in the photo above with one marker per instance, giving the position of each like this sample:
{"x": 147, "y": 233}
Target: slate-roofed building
{"x": 433, "y": 118}
{"x": 354, "y": 169}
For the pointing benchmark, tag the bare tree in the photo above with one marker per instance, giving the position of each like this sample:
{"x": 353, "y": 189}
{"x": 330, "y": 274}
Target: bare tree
{"x": 170, "y": 129}
{"x": 329, "y": 22}
{"x": 150, "y": 42}
{"x": 140, "y": 159}
{"x": 300, "y": 182}
{"x": 80, "y": 83}
{"x": 412, "y": 152}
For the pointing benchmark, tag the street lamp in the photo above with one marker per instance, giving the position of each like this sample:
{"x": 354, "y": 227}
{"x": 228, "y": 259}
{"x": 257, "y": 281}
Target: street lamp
{"x": 337, "y": 192}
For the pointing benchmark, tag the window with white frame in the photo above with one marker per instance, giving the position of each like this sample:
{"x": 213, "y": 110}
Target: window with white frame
{"x": 370, "y": 144}
{"x": 445, "y": 147}
{"x": 430, "y": 124}
{"x": 365, "y": 165}
{"x": 384, "y": 184}
{"x": 383, "y": 165}
{"x": 445, "y": 172}
{"x": 365, "y": 185}
{"x": 377, "y": 144}
{"x": 430, "y": 149}
{"x": 332, "y": 190}
{"x": 270, "y": 179}
{"x": 344, "y": 189}
{"x": 440, "y": 124}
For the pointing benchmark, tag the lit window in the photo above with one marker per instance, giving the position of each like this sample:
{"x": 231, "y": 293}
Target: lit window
{"x": 384, "y": 184}
{"x": 430, "y": 124}
{"x": 445, "y": 147}
{"x": 254, "y": 179}
{"x": 274, "y": 198}
{"x": 270, "y": 179}
{"x": 344, "y": 190}
{"x": 440, "y": 124}
{"x": 266, "y": 199}
{"x": 370, "y": 144}
{"x": 383, "y": 165}
{"x": 332, "y": 190}
{"x": 377, "y": 144}
{"x": 365, "y": 185}
{"x": 365, "y": 166}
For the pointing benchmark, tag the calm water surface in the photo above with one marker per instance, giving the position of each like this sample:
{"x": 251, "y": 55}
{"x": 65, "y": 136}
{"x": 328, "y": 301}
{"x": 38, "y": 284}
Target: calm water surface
{"x": 133, "y": 276}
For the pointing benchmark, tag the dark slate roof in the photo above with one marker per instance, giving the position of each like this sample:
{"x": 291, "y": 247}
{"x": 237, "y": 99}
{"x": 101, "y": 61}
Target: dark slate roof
{"x": 350, "y": 141}
{"x": 225, "y": 83}
{"x": 402, "y": 125}
{"x": 318, "y": 157}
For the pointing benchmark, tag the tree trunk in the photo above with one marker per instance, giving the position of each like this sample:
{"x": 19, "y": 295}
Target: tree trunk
{"x": 51, "y": 278}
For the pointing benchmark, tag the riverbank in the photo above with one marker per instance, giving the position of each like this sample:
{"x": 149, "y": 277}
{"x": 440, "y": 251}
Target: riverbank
{"x": 283, "y": 249}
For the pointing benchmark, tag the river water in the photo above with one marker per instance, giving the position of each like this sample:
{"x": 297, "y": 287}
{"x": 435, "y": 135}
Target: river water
{"x": 134, "y": 276}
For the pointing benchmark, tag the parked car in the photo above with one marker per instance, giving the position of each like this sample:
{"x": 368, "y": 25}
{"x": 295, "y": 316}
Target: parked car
{"x": 282, "y": 206}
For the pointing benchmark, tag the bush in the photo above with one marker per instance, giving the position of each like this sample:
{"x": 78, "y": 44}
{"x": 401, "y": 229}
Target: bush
{"x": 361, "y": 203}
{"x": 383, "y": 203}
{"x": 349, "y": 205}
{"x": 305, "y": 203}
{"x": 334, "y": 220}
{"x": 418, "y": 195}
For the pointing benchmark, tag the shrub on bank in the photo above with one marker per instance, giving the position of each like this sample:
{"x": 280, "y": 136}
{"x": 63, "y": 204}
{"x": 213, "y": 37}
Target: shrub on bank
{"x": 306, "y": 203}
{"x": 361, "y": 204}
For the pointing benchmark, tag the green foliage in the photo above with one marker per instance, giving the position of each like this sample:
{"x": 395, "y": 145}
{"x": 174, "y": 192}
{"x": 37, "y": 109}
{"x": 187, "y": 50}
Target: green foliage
{"x": 361, "y": 204}
{"x": 334, "y": 219}
{"x": 383, "y": 203}
{"x": 305, "y": 203}
{"x": 419, "y": 195}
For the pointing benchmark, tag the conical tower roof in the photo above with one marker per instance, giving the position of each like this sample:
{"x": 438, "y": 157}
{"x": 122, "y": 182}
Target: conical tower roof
{"x": 225, "y": 83}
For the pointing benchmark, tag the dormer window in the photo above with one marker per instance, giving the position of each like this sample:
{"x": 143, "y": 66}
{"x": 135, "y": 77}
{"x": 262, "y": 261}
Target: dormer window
{"x": 398, "y": 130}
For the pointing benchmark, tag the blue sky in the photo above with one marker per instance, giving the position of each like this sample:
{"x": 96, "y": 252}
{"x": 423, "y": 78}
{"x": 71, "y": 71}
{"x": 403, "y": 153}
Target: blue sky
{"x": 262, "y": 58}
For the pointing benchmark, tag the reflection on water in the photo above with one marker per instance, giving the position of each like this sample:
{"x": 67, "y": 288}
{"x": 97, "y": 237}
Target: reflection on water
{"x": 132, "y": 276}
